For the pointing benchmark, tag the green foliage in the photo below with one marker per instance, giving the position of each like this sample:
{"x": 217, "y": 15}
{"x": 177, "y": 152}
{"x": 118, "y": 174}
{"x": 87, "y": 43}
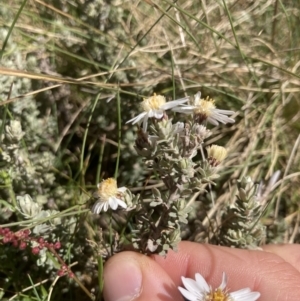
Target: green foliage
{"x": 61, "y": 61}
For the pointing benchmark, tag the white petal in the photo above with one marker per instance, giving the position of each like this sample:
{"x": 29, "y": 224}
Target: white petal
{"x": 184, "y": 109}
{"x": 97, "y": 207}
{"x": 225, "y": 112}
{"x": 242, "y": 291}
{"x": 113, "y": 203}
{"x": 145, "y": 123}
{"x": 212, "y": 121}
{"x": 151, "y": 113}
{"x": 137, "y": 118}
{"x": 224, "y": 282}
{"x": 220, "y": 115}
{"x": 188, "y": 295}
{"x": 122, "y": 189}
{"x": 174, "y": 103}
{"x": 158, "y": 114}
{"x": 197, "y": 98}
{"x": 183, "y": 99}
{"x": 230, "y": 120}
{"x": 226, "y": 120}
{"x": 221, "y": 118}
{"x": 122, "y": 203}
{"x": 274, "y": 178}
{"x": 245, "y": 295}
{"x": 105, "y": 206}
{"x": 202, "y": 283}
{"x": 191, "y": 285}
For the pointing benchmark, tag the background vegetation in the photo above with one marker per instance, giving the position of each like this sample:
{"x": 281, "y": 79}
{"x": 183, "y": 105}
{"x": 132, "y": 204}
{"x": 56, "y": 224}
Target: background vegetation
{"x": 68, "y": 66}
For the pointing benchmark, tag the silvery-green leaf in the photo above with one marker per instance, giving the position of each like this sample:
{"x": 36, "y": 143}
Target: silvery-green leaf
{"x": 28, "y": 207}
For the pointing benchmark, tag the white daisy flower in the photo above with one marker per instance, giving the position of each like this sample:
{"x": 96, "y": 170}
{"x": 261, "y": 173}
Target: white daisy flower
{"x": 199, "y": 290}
{"x": 155, "y": 107}
{"x": 205, "y": 109}
{"x": 108, "y": 195}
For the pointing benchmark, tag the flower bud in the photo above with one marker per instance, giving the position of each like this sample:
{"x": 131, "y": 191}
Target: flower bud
{"x": 216, "y": 154}
{"x": 14, "y": 131}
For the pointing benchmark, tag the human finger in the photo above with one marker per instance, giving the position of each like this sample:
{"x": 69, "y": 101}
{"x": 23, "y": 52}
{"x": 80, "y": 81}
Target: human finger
{"x": 159, "y": 277}
{"x": 132, "y": 276}
{"x": 265, "y": 272}
{"x": 288, "y": 252}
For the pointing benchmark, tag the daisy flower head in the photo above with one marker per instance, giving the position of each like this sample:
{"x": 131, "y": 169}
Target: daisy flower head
{"x": 205, "y": 109}
{"x": 216, "y": 154}
{"x": 108, "y": 195}
{"x": 155, "y": 107}
{"x": 199, "y": 290}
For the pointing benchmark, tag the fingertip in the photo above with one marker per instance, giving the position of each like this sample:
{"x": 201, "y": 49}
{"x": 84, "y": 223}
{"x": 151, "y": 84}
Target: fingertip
{"x": 122, "y": 278}
{"x": 133, "y": 276}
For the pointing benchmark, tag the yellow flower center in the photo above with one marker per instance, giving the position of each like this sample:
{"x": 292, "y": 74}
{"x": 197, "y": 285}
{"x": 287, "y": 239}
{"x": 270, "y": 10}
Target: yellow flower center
{"x": 107, "y": 188}
{"x": 218, "y": 295}
{"x": 153, "y": 103}
{"x": 205, "y": 107}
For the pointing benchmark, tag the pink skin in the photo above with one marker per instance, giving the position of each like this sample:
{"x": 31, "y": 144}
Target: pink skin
{"x": 274, "y": 272}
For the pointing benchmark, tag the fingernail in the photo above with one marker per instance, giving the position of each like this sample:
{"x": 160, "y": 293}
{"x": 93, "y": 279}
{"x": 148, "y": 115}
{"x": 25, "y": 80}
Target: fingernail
{"x": 122, "y": 281}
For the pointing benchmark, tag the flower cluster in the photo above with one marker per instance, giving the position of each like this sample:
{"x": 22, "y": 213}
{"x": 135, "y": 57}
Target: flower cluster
{"x": 65, "y": 270}
{"x": 175, "y": 153}
{"x": 22, "y": 239}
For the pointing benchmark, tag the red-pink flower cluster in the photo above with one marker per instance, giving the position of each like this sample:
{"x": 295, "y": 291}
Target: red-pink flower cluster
{"x": 65, "y": 271}
{"x": 21, "y": 239}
